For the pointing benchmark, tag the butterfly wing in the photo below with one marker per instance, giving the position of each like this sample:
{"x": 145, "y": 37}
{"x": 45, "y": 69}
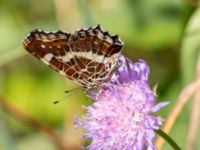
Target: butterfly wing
{"x": 53, "y": 49}
{"x": 100, "y": 47}
{"x": 88, "y": 56}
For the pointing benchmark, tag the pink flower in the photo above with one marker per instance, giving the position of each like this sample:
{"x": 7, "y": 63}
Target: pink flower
{"x": 121, "y": 116}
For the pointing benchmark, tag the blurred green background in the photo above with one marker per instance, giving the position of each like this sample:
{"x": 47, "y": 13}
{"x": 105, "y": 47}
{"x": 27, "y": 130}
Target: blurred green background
{"x": 165, "y": 33}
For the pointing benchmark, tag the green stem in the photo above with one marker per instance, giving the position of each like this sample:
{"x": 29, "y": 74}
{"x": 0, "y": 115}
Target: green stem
{"x": 168, "y": 139}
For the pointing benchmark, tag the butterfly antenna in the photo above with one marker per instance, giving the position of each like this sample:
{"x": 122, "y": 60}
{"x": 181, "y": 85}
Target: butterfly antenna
{"x": 67, "y": 92}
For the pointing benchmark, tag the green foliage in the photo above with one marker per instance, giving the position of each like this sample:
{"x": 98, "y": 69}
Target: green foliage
{"x": 151, "y": 30}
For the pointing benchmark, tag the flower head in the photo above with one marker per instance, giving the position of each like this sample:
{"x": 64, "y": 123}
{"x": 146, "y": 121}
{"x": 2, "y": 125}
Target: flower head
{"x": 121, "y": 115}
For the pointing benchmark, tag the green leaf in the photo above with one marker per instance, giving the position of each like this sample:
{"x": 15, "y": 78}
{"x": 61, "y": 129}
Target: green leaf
{"x": 190, "y": 48}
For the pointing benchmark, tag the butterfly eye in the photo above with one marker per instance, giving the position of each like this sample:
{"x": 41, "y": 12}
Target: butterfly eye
{"x": 119, "y": 63}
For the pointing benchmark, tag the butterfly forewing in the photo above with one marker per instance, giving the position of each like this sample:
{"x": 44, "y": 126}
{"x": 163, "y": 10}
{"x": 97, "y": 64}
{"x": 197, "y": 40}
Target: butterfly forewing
{"x": 48, "y": 46}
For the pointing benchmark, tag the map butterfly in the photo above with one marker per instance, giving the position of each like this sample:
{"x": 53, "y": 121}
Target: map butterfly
{"x": 88, "y": 57}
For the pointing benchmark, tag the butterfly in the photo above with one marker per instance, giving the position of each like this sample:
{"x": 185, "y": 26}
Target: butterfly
{"x": 88, "y": 56}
